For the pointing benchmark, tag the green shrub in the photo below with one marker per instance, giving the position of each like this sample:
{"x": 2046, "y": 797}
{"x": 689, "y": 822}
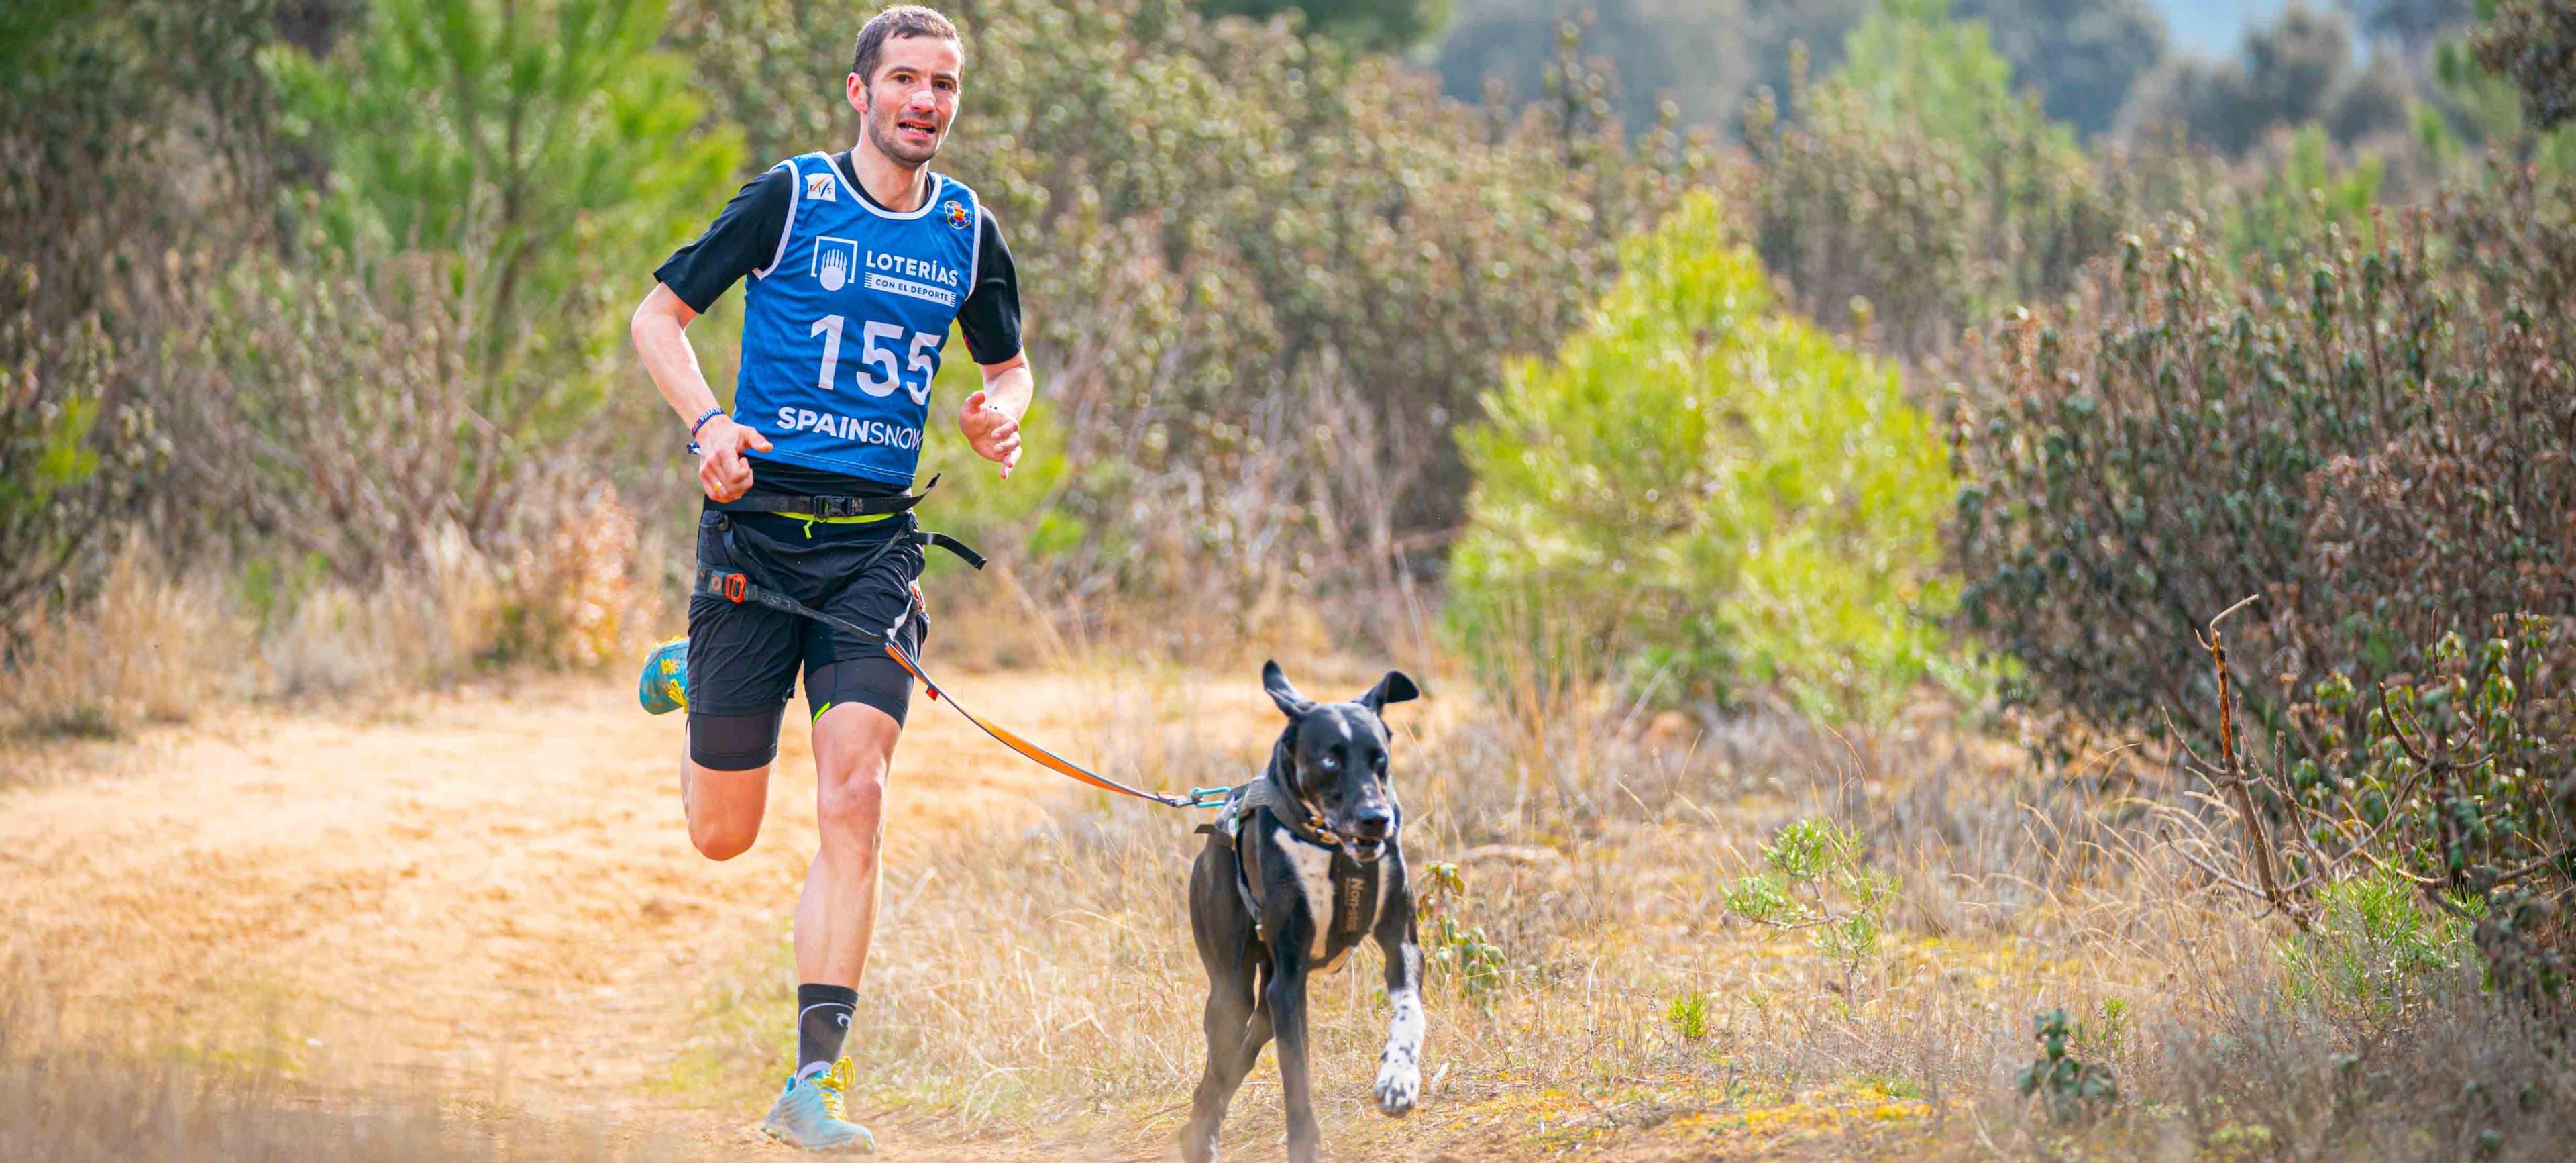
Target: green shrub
{"x": 2374, "y": 439}
{"x": 505, "y": 168}
{"x": 2067, "y": 1087}
{"x": 2374, "y": 953}
{"x": 1702, "y": 487}
{"x": 1687, "y": 1017}
{"x": 1815, "y": 876}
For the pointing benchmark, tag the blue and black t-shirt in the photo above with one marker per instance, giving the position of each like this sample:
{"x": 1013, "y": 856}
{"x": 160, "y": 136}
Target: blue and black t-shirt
{"x": 847, "y": 308}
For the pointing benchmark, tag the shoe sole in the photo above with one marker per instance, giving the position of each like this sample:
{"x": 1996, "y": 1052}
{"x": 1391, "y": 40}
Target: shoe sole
{"x": 861, "y": 1146}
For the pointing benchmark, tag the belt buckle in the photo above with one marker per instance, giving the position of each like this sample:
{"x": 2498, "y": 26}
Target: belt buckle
{"x": 731, "y": 586}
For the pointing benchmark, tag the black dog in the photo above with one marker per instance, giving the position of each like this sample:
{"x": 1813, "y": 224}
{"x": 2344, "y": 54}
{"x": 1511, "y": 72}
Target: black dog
{"x": 1300, "y": 865}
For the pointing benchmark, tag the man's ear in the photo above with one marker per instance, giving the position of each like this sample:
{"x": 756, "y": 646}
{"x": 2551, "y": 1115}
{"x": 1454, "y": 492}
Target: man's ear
{"x": 1291, "y": 704}
{"x": 1394, "y": 688}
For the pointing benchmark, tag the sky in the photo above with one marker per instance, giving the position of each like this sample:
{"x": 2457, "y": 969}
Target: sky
{"x": 2213, "y": 28}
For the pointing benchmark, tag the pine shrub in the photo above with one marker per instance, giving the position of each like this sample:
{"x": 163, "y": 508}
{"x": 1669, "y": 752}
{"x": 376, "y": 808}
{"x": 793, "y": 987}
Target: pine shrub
{"x": 1702, "y": 489}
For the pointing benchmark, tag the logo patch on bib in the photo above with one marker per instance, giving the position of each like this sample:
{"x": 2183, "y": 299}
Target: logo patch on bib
{"x": 821, "y": 188}
{"x": 956, "y": 212}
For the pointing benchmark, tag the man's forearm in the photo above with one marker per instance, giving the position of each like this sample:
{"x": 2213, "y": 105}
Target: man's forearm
{"x": 1010, "y": 387}
{"x": 660, "y": 331}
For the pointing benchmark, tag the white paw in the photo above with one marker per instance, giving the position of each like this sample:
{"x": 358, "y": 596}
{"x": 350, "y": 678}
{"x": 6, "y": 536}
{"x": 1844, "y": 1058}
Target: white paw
{"x": 1399, "y": 1083}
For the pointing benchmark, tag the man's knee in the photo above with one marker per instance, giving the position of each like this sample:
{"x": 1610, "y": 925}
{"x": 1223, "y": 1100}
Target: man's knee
{"x": 722, "y": 837}
{"x": 724, "y": 807}
{"x": 852, "y": 803}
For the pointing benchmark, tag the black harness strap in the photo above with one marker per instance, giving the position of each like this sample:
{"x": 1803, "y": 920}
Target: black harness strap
{"x": 748, "y": 582}
{"x": 1354, "y": 884}
{"x": 827, "y": 506}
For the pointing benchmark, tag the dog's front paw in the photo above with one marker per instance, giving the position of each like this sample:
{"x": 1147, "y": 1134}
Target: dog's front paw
{"x": 1399, "y": 1083}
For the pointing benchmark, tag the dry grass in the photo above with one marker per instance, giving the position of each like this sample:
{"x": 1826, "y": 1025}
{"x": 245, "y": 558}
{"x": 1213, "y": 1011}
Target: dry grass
{"x": 1043, "y": 985}
{"x": 65, "y": 1109}
{"x": 69, "y": 1103}
{"x": 137, "y": 654}
{"x": 160, "y": 645}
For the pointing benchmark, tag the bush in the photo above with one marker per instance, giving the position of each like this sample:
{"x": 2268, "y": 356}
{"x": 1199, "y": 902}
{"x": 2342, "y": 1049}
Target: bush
{"x": 2374, "y": 955}
{"x": 89, "y": 213}
{"x": 2534, "y": 45}
{"x": 2374, "y": 439}
{"x": 74, "y": 459}
{"x": 2450, "y": 795}
{"x": 1701, "y": 487}
{"x": 1913, "y": 189}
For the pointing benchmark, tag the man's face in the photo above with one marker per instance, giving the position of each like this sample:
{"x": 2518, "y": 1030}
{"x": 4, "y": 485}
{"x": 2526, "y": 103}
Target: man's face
{"x": 911, "y": 100}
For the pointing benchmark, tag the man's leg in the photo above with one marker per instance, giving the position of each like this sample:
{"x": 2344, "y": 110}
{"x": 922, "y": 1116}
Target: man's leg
{"x": 859, "y": 704}
{"x": 837, "y": 916}
{"x": 724, "y": 778}
{"x": 724, "y": 807}
{"x": 742, "y": 663}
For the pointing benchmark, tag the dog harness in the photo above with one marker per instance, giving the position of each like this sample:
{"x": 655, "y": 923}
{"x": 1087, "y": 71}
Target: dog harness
{"x": 1354, "y": 883}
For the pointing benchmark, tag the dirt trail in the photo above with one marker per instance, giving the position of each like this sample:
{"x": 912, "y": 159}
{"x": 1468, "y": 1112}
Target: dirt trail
{"x": 493, "y": 887}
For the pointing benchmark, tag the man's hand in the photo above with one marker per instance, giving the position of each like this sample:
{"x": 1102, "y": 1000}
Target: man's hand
{"x": 722, "y": 471}
{"x": 991, "y": 430}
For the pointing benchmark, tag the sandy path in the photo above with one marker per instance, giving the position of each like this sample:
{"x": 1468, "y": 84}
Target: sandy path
{"x": 492, "y": 886}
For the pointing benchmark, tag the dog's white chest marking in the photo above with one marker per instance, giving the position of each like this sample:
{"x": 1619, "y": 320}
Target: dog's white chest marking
{"x": 1313, "y": 864}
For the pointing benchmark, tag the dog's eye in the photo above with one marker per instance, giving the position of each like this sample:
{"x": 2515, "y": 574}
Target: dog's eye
{"x": 1377, "y": 763}
{"x": 1330, "y": 763}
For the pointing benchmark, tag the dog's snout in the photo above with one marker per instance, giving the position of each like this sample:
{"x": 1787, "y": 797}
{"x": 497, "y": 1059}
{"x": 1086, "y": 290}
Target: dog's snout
{"x": 1373, "y": 822}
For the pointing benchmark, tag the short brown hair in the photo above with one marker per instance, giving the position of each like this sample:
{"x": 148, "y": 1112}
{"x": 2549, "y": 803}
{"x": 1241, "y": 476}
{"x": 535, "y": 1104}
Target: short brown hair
{"x": 905, "y": 20}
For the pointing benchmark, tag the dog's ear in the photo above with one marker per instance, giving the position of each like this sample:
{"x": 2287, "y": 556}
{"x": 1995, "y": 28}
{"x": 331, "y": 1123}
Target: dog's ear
{"x": 1291, "y": 704}
{"x": 1394, "y": 688}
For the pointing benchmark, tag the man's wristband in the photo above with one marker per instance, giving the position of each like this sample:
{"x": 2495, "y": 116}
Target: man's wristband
{"x": 701, "y": 422}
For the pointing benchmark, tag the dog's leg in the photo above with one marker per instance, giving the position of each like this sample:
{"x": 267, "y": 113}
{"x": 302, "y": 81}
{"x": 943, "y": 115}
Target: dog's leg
{"x": 1235, "y": 1035}
{"x": 1399, "y": 1066}
{"x": 1236, "y": 1032}
{"x": 1287, "y": 1003}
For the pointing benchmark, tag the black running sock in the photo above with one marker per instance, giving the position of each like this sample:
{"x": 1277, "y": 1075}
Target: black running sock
{"x": 822, "y": 1020}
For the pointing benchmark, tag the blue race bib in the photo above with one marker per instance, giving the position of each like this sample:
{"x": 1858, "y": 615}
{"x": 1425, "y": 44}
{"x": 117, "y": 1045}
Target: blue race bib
{"x": 841, "y": 335}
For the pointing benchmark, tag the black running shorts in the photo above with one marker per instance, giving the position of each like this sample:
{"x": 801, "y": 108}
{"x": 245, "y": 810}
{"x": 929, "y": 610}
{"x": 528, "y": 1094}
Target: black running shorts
{"x": 744, "y": 657}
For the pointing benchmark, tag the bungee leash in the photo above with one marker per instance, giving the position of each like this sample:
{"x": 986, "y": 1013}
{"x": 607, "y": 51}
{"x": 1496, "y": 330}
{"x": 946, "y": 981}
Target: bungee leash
{"x": 741, "y": 584}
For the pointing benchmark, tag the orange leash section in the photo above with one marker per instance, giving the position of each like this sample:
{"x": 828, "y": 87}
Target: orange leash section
{"x": 1199, "y": 797}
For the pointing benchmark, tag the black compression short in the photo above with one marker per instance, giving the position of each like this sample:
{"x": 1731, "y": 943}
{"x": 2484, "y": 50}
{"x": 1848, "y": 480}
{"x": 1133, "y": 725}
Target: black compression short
{"x": 744, "y": 658}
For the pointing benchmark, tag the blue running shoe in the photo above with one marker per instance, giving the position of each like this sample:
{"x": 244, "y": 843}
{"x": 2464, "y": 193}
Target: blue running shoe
{"x": 807, "y": 1114}
{"x": 664, "y": 685}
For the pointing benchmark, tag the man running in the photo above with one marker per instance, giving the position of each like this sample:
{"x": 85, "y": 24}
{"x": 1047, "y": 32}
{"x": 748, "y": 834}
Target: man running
{"x": 857, "y": 263}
